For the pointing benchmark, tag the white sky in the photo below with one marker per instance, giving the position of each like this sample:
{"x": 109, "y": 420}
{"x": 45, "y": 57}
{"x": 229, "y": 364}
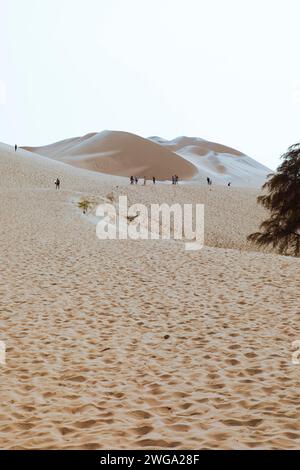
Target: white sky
{"x": 223, "y": 70}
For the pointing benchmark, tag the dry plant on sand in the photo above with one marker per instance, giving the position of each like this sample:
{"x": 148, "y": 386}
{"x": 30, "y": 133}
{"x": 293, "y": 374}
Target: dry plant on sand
{"x": 85, "y": 205}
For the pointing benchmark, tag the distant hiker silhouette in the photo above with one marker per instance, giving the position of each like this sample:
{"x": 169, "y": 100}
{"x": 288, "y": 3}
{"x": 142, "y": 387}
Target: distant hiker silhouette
{"x": 16, "y": 147}
{"x": 136, "y": 180}
{"x": 131, "y": 179}
{"x": 57, "y": 183}
{"x": 154, "y": 180}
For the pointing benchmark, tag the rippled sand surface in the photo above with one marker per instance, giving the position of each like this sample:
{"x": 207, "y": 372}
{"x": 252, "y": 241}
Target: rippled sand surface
{"x": 140, "y": 344}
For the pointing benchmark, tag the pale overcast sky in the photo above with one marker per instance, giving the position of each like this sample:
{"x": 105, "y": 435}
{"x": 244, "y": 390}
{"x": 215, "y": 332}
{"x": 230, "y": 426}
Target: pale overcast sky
{"x": 223, "y": 70}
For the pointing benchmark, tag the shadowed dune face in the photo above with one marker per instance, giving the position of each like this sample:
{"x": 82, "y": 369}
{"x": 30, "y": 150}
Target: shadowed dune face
{"x": 120, "y": 154}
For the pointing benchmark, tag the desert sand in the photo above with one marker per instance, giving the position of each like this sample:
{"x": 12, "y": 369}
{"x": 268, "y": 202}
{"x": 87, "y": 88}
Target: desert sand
{"x": 123, "y": 154}
{"x": 140, "y": 344}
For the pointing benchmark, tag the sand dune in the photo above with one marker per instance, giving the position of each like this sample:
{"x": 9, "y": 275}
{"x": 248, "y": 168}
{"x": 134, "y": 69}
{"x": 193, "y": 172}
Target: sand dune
{"x": 202, "y": 147}
{"x": 119, "y": 153}
{"x": 124, "y": 154}
{"x": 137, "y": 344}
{"x": 220, "y": 163}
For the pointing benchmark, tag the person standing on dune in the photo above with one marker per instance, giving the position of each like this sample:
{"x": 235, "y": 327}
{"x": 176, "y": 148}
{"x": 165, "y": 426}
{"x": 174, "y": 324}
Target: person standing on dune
{"x": 16, "y": 147}
{"x": 154, "y": 180}
{"x": 57, "y": 183}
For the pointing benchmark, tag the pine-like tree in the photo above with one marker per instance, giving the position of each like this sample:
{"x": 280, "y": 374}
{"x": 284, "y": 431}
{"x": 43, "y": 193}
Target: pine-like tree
{"x": 282, "y": 229}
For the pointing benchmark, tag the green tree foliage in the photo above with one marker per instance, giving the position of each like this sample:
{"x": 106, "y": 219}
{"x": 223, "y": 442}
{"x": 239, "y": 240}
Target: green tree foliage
{"x": 282, "y": 229}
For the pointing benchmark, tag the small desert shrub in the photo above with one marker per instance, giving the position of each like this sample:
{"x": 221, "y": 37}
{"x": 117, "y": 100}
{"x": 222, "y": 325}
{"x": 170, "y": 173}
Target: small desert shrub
{"x": 85, "y": 205}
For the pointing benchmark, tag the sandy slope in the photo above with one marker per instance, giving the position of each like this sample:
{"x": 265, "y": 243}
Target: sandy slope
{"x": 124, "y": 154}
{"x": 140, "y": 344}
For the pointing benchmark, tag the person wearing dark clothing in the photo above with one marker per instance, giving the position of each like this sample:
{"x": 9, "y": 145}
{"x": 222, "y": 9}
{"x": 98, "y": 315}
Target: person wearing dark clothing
{"x": 57, "y": 183}
{"x": 154, "y": 180}
{"x": 16, "y": 147}
{"x": 131, "y": 179}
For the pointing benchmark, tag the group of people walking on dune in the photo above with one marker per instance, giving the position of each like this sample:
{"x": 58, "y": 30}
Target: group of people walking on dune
{"x": 175, "y": 180}
{"x": 135, "y": 180}
{"x": 209, "y": 182}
